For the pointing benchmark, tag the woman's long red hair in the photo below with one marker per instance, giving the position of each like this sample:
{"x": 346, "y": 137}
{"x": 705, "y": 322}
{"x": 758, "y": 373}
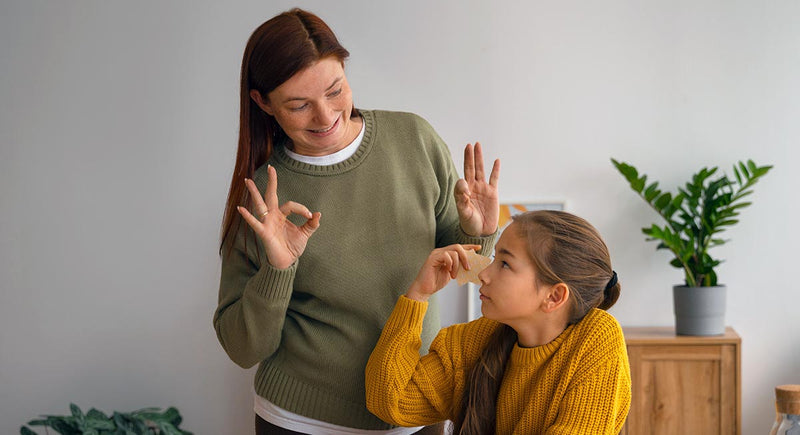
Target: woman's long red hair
{"x": 277, "y": 49}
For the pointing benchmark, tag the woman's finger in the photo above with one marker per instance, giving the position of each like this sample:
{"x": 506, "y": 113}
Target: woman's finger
{"x": 290, "y": 207}
{"x": 312, "y": 224}
{"x": 494, "y": 177}
{"x": 271, "y": 194}
{"x": 469, "y": 163}
{"x": 480, "y": 175}
{"x": 461, "y": 191}
{"x": 254, "y": 223}
{"x": 258, "y": 202}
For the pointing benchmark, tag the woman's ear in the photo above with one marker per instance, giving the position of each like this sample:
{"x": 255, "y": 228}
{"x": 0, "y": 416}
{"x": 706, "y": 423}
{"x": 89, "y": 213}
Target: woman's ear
{"x": 261, "y": 102}
{"x": 557, "y": 297}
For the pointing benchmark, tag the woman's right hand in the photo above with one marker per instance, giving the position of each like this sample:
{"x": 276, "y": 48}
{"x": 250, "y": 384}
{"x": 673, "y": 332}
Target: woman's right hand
{"x": 440, "y": 267}
{"x": 283, "y": 240}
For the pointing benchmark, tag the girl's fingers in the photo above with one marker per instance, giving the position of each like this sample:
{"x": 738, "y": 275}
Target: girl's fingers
{"x": 454, "y": 264}
{"x": 462, "y": 254}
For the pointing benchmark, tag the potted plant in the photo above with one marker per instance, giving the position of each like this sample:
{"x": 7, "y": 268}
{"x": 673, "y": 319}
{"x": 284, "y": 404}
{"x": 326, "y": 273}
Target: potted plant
{"x": 147, "y": 421}
{"x": 695, "y": 216}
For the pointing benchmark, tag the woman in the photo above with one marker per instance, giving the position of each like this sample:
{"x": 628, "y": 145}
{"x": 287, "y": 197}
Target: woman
{"x": 307, "y": 285}
{"x": 545, "y": 358}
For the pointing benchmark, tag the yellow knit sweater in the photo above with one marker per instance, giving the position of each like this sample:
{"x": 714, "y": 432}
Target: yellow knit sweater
{"x": 578, "y": 383}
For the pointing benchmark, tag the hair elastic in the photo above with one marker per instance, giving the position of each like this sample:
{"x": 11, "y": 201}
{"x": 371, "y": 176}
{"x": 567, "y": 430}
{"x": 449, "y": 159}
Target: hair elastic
{"x": 613, "y": 281}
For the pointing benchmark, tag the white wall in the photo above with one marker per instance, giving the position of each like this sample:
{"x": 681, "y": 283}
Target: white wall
{"x": 118, "y": 123}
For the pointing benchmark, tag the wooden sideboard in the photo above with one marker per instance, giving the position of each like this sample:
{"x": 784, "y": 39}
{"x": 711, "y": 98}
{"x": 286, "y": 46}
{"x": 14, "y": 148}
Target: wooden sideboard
{"x": 683, "y": 384}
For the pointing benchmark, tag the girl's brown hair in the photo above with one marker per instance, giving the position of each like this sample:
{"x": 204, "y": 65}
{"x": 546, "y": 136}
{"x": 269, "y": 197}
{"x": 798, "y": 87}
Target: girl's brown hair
{"x": 276, "y": 51}
{"x": 563, "y": 248}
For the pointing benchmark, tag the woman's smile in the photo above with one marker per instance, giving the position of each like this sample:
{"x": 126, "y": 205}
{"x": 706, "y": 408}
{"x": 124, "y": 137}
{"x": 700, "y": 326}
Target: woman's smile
{"x": 322, "y": 132}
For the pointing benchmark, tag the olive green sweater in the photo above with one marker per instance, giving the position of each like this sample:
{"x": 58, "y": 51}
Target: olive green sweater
{"x": 578, "y": 384}
{"x": 311, "y": 327}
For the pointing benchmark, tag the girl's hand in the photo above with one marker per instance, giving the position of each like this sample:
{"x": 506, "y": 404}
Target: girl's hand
{"x": 476, "y": 200}
{"x": 283, "y": 240}
{"x": 440, "y": 267}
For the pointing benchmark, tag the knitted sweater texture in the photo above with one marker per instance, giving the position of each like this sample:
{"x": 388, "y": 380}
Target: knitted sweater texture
{"x": 311, "y": 327}
{"x": 578, "y": 383}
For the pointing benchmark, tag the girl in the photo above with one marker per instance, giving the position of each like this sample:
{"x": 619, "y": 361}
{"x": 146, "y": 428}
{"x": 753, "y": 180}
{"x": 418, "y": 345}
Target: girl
{"x": 545, "y": 358}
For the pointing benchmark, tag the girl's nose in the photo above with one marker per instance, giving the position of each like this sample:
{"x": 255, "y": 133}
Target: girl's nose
{"x": 484, "y": 274}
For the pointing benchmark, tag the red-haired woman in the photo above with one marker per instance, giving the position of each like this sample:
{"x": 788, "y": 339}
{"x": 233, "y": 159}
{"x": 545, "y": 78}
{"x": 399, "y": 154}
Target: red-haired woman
{"x": 307, "y": 285}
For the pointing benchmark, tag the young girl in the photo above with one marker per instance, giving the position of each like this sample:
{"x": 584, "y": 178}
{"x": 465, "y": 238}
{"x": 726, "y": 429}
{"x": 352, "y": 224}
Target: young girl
{"x": 545, "y": 358}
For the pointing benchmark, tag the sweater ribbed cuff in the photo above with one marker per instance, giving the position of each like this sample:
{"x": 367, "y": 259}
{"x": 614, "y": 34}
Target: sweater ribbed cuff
{"x": 273, "y": 283}
{"x": 486, "y": 241}
{"x": 407, "y": 314}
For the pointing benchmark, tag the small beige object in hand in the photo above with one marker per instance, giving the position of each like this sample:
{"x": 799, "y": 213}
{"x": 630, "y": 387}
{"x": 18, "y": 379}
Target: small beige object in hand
{"x": 477, "y": 263}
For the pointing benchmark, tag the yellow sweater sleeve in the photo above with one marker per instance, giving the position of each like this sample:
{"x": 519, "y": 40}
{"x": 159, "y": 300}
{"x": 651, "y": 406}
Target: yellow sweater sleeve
{"x": 401, "y": 387}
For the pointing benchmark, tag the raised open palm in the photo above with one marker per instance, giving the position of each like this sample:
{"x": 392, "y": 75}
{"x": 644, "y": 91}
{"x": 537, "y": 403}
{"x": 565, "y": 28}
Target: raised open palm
{"x": 476, "y": 199}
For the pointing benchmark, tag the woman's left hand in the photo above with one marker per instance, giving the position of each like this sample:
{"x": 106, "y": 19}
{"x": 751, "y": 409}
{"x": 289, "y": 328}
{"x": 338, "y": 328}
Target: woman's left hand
{"x": 477, "y": 201}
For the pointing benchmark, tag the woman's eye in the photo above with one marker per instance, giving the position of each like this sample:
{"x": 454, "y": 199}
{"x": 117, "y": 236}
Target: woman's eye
{"x": 335, "y": 93}
{"x": 298, "y": 108}
{"x": 504, "y": 265}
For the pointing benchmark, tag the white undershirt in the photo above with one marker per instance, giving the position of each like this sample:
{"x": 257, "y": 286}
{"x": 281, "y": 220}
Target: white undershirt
{"x": 331, "y": 159}
{"x": 296, "y": 422}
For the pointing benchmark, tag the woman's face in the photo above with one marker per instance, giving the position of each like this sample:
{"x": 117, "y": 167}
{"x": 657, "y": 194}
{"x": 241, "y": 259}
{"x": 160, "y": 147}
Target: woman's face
{"x": 509, "y": 293}
{"x": 313, "y": 107}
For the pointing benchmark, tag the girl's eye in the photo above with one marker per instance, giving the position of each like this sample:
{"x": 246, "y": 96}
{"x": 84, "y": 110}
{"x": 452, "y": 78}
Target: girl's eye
{"x": 504, "y": 265}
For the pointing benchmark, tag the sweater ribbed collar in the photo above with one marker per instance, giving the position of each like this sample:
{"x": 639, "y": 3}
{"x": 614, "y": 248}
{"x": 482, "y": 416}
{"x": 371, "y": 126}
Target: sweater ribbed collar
{"x": 280, "y": 157}
{"x": 539, "y": 354}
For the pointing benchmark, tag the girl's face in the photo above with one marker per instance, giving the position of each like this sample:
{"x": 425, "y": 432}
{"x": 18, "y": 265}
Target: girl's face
{"x": 313, "y": 107}
{"x": 509, "y": 293}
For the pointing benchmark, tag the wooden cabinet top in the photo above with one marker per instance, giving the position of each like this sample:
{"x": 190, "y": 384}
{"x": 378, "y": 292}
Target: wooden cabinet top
{"x": 660, "y": 335}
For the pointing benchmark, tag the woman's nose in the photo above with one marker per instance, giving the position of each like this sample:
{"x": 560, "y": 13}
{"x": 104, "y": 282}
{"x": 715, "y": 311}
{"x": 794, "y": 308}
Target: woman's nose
{"x": 325, "y": 115}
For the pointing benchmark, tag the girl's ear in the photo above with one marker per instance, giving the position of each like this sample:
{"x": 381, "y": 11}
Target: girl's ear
{"x": 557, "y": 297}
{"x": 261, "y": 102}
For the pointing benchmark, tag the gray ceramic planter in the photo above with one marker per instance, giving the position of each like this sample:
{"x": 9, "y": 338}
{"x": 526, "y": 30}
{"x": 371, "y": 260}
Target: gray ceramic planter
{"x": 699, "y": 310}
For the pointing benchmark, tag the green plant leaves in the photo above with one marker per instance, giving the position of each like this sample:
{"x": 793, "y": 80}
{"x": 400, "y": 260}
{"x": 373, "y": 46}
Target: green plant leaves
{"x": 140, "y": 422}
{"x": 703, "y": 207}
